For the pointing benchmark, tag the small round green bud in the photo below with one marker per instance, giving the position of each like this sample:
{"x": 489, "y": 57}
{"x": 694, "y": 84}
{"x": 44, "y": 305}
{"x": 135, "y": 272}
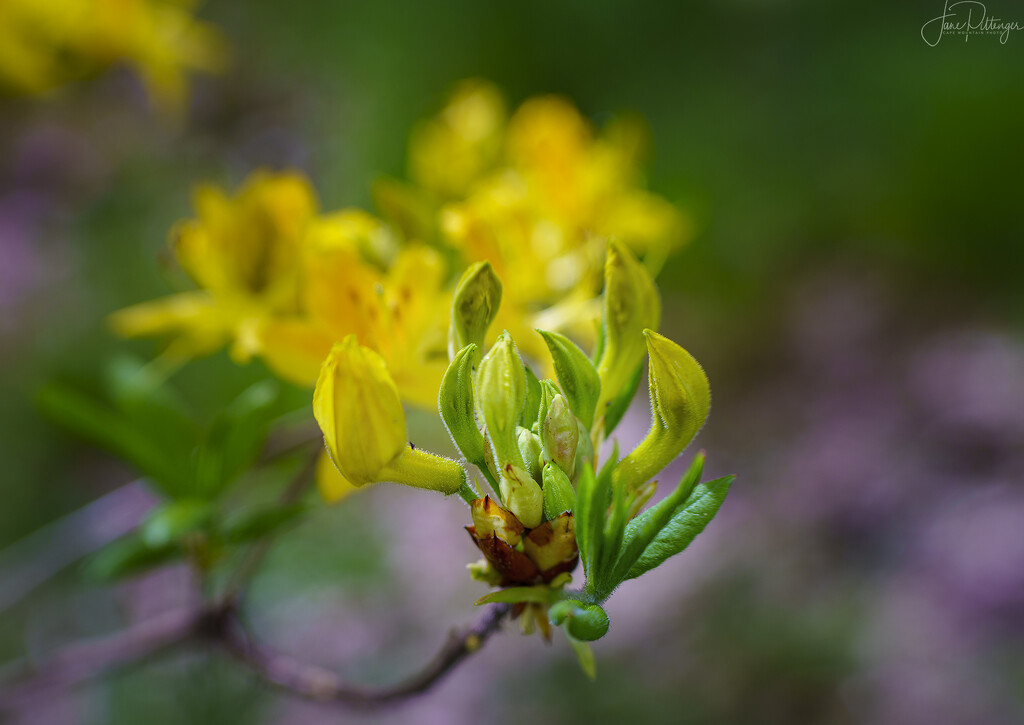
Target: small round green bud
{"x": 588, "y": 623}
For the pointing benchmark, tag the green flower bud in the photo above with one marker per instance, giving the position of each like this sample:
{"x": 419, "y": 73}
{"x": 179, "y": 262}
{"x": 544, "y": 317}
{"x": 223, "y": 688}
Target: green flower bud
{"x": 559, "y": 495}
{"x": 680, "y": 402}
{"x": 474, "y": 306}
{"x": 501, "y": 393}
{"x": 530, "y": 449}
{"x": 576, "y": 374}
{"x": 631, "y": 305}
{"x": 588, "y": 623}
{"x": 585, "y": 622}
{"x": 559, "y": 434}
{"x": 548, "y": 390}
{"x": 560, "y": 611}
{"x": 522, "y": 495}
{"x": 455, "y": 404}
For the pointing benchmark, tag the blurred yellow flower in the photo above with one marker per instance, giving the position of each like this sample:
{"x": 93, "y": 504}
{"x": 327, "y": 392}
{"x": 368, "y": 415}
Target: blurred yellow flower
{"x": 538, "y": 196}
{"x": 399, "y": 310}
{"x": 47, "y": 43}
{"x": 280, "y": 282}
{"x": 245, "y": 253}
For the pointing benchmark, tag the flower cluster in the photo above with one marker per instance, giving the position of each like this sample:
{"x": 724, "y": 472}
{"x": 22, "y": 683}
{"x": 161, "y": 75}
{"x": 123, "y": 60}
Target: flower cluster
{"x": 534, "y": 442}
{"x": 536, "y": 194}
{"x": 558, "y": 242}
{"x": 282, "y": 281}
{"x": 47, "y": 43}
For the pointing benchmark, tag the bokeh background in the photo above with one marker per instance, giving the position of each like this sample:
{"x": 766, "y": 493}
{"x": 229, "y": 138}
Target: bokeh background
{"x": 855, "y": 291}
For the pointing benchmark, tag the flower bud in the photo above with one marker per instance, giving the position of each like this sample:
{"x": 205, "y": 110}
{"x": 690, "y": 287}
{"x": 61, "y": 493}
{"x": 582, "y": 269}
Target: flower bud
{"x": 576, "y": 374}
{"x": 680, "y": 402}
{"x": 631, "y": 305}
{"x": 585, "y": 622}
{"x": 358, "y": 409}
{"x": 530, "y": 449}
{"x": 559, "y": 435}
{"x": 501, "y": 393}
{"x": 490, "y": 519}
{"x": 588, "y": 623}
{"x": 476, "y": 302}
{"x": 559, "y": 495}
{"x": 522, "y": 495}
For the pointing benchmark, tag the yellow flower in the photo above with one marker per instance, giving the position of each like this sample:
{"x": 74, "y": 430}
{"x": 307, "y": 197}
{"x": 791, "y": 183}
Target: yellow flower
{"x": 46, "y": 43}
{"x": 400, "y": 312}
{"x": 245, "y": 254}
{"x": 449, "y": 152}
{"x": 358, "y": 409}
{"x": 542, "y": 207}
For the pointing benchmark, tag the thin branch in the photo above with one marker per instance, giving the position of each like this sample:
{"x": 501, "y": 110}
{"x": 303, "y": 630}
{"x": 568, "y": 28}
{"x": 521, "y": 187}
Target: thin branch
{"x": 26, "y": 682}
{"x": 317, "y": 683}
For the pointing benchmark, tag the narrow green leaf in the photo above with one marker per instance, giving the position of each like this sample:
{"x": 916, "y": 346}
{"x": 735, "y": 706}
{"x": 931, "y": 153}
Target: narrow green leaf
{"x": 532, "y": 405}
{"x": 514, "y": 595}
{"x": 641, "y": 530}
{"x": 174, "y": 520}
{"x": 455, "y": 404}
{"x": 577, "y": 376}
{"x": 235, "y": 438}
{"x": 259, "y": 521}
{"x": 127, "y": 556}
{"x": 582, "y": 513}
{"x": 584, "y": 655}
{"x": 685, "y": 525}
{"x": 116, "y": 433}
{"x": 618, "y": 405}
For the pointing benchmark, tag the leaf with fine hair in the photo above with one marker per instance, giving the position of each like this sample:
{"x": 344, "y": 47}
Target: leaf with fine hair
{"x": 685, "y": 525}
{"x": 577, "y": 376}
{"x": 641, "y": 530}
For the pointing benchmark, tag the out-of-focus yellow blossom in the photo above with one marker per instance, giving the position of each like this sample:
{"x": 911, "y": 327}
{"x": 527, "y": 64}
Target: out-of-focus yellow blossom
{"x": 541, "y": 207}
{"x": 47, "y": 43}
{"x": 279, "y": 282}
{"x": 245, "y": 253}
{"x": 399, "y": 312}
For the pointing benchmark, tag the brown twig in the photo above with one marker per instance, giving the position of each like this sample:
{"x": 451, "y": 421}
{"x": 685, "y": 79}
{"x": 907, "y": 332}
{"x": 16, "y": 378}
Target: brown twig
{"x": 27, "y": 682}
{"x": 317, "y": 683}
{"x": 221, "y": 627}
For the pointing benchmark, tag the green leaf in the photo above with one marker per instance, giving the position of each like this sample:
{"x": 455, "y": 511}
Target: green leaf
{"x": 235, "y": 438}
{"x": 113, "y": 431}
{"x": 171, "y": 522}
{"x": 641, "y": 530}
{"x": 532, "y": 405}
{"x": 259, "y": 521}
{"x": 577, "y": 376}
{"x": 455, "y": 404}
{"x": 128, "y": 556}
{"x": 145, "y": 398}
{"x": 618, "y": 405}
{"x": 592, "y": 501}
{"x": 559, "y": 495}
{"x": 680, "y": 402}
{"x": 684, "y": 526}
{"x": 513, "y": 595}
{"x": 584, "y": 655}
